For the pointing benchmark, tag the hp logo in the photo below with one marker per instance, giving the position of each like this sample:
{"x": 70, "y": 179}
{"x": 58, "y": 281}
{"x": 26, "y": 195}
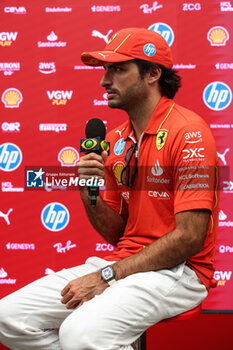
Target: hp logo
{"x": 10, "y": 156}
{"x": 217, "y": 96}
{"x": 165, "y": 30}
{"x": 149, "y": 50}
{"x": 55, "y": 216}
{"x": 119, "y": 147}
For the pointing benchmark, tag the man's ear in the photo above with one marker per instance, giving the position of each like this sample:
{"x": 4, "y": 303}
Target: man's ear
{"x": 154, "y": 74}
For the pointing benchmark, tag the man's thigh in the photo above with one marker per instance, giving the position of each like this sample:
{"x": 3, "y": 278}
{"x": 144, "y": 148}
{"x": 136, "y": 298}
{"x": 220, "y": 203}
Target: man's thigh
{"x": 39, "y": 303}
{"x": 131, "y": 305}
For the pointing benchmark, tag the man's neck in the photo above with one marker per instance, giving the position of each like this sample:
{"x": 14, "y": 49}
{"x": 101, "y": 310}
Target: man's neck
{"x": 141, "y": 115}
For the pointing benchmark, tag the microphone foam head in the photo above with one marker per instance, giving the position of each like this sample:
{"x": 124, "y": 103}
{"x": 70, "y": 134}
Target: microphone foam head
{"x": 95, "y": 127}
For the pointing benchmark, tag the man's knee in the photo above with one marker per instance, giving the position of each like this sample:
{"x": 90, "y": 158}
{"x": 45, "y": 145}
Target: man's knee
{"x": 7, "y": 313}
{"x": 79, "y": 335}
{"x": 72, "y": 336}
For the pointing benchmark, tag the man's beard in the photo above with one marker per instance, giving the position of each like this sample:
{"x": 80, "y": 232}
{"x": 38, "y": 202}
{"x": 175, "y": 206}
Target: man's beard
{"x": 129, "y": 99}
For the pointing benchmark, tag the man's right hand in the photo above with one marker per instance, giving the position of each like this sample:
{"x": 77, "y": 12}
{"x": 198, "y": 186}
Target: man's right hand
{"x": 91, "y": 165}
{"x": 104, "y": 219}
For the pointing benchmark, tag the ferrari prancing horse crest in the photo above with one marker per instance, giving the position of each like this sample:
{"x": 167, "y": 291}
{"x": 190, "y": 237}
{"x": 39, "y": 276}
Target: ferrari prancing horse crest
{"x": 161, "y": 138}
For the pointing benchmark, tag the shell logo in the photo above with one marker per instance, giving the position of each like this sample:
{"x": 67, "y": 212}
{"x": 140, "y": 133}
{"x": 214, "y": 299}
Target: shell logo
{"x": 218, "y": 36}
{"x": 68, "y": 156}
{"x": 12, "y": 98}
{"x": 117, "y": 170}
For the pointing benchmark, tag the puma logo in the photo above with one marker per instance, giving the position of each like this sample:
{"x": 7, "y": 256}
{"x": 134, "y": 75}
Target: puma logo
{"x": 96, "y": 33}
{"x": 6, "y": 216}
{"x": 222, "y": 156}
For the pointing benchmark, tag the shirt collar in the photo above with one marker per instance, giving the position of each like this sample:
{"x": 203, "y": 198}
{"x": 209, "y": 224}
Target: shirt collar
{"x": 159, "y": 115}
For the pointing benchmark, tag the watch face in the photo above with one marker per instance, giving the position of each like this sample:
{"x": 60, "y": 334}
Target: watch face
{"x": 107, "y": 273}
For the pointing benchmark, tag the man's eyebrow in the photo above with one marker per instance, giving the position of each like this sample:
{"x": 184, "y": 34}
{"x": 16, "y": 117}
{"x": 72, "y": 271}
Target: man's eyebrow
{"x": 114, "y": 64}
{"x": 110, "y": 65}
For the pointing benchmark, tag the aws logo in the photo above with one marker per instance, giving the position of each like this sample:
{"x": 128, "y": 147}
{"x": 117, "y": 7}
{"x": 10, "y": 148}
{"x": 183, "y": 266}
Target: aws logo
{"x": 193, "y": 137}
{"x": 7, "y": 38}
{"x": 47, "y": 67}
{"x": 59, "y": 97}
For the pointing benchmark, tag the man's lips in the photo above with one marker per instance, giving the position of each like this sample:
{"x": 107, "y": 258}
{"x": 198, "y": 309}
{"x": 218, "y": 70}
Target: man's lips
{"x": 111, "y": 94}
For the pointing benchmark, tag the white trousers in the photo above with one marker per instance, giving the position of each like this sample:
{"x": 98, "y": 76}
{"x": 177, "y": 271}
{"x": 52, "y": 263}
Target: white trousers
{"x": 30, "y": 317}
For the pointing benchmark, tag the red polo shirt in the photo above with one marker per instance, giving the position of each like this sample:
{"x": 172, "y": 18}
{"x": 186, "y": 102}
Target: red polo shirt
{"x": 177, "y": 171}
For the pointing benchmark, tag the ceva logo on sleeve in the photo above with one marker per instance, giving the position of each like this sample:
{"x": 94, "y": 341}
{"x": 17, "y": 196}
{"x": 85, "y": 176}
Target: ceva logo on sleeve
{"x": 55, "y": 216}
{"x": 217, "y": 96}
{"x": 165, "y": 30}
{"x": 10, "y": 156}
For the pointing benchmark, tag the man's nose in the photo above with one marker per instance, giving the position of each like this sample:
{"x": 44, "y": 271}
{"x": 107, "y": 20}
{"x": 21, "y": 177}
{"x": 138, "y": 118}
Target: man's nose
{"x": 106, "y": 79}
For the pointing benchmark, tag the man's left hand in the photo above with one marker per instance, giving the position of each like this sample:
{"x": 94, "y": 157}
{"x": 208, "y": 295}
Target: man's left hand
{"x": 82, "y": 289}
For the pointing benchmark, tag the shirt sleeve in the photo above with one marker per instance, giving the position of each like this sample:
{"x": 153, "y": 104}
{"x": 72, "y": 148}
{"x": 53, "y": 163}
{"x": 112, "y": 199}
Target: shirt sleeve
{"x": 195, "y": 170}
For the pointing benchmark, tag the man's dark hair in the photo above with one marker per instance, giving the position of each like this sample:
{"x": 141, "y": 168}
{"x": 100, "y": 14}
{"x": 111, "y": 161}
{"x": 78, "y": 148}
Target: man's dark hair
{"x": 169, "y": 82}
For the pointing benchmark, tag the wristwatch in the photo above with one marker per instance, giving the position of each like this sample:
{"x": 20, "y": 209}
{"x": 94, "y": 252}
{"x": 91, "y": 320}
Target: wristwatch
{"x": 108, "y": 275}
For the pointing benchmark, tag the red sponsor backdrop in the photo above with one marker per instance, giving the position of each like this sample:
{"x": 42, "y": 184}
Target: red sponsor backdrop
{"x": 47, "y": 96}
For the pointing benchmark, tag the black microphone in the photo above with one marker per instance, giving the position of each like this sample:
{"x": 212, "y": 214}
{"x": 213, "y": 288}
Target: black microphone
{"x": 95, "y": 128}
{"x": 95, "y": 134}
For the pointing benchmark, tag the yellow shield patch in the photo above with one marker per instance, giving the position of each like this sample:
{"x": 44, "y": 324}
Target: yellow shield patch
{"x": 117, "y": 170}
{"x": 161, "y": 138}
